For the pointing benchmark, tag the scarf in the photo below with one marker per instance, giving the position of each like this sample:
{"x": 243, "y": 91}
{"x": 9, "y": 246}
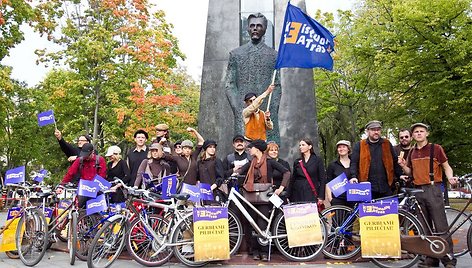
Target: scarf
{"x": 257, "y": 173}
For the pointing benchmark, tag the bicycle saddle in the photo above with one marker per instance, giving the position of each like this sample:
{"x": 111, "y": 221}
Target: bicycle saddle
{"x": 180, "y": 196}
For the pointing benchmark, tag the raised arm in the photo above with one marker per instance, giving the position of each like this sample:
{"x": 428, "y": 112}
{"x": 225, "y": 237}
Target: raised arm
{"x": 199, "y": 137}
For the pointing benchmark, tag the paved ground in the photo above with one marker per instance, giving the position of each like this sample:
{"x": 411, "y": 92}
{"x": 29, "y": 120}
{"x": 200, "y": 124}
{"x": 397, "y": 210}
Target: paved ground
{"x": 58, "y": 257}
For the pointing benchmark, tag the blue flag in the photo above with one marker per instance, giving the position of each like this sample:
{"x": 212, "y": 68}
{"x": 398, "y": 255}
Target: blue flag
{"x": 338, "y": 185}
{"x": 41, "y": 175}
{"x": 15, "y": 175}
{"x": 169, "y": 186}
{"x": 88, "y": 188}
{"x": 304, "y": 43}
{"x": 96, "y": 205}
{"x": 102, "y": 183}
{"x": 359, "y": 192}
{"x": 46, "y": 118}
{"x": 205, "y": 191}
{"x": 192, "y": 190}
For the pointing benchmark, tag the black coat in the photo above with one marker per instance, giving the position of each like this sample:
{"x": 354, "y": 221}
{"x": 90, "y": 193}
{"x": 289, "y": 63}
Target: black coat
{"x": 300, "y": 189}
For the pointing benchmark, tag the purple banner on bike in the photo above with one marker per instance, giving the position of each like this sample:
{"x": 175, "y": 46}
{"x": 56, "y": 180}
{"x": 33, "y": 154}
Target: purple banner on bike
{"x": 46, "y": 118}
{"x": 211, "y": 233}
{"x": 379, "y": 229}
{"x": 359, "y": 192}
{"x": 339, "y": 184}
{"x": 96, "y": 205}
{"x": 205, "y": 191}
{"x": 15, "y": 175}
{"x": 192, "y": 190}
{"x": 101, "y": 182}
{"x": 87, "y": 188}
{"x": 41, "y": 175}
{"x": 169, "y": 186}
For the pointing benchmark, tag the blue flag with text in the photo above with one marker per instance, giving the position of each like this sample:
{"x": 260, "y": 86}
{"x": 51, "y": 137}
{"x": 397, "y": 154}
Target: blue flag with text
{"x": 46, "y": 118}
{"x": 304, "y": 43}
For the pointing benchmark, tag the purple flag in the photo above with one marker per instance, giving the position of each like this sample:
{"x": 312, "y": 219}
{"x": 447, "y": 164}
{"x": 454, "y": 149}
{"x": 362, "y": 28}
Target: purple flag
{"x": 41, "y": 175}
{"x": 359, "y": 192}
{"x": 205, "y": 191}
{"x": 46, "y": 118}
{"x": 192, "y": 190}
{"x": 338, "y": 185}
{"x": 101, "y": 182}
{"x": 96, "y": 205}
{"x": 88, "y": 188}
{"x": 169, "y": 186}
{"x": 15, "y": 175}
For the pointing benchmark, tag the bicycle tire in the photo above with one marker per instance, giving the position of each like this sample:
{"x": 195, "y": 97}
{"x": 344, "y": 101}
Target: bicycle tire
{"x": 143, "y": 247}
{"x": 32, "y": 237}
{"x": 183, "y": 235}
{"x": 409, "y": 225}
{"x": 109, "y": 241}
{"x": 72, "y": 234}
{"x": 469, "y": 240}
{"x": 459, "y": 238}
{"x": 341, "y": 246}
{"x": 298, "y": 254}
{"x": 85, "y": 233}
{"x": 235, "y": 229}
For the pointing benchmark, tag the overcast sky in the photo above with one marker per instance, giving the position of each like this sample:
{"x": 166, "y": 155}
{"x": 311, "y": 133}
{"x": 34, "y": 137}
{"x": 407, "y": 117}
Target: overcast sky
{"x": 191, "y": 39}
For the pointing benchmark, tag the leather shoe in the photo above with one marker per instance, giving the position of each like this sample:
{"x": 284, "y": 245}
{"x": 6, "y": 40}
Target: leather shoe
{"x": 256, "y": 256}
{"x": 264, "y": 257}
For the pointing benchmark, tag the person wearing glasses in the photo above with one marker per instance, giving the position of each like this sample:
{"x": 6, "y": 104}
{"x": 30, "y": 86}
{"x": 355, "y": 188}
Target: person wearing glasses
{"x": 256, "y": 122}
{"x": 404, "y": 137}
{"x": 71, "y": 151}
{"x": 117, "y": 168}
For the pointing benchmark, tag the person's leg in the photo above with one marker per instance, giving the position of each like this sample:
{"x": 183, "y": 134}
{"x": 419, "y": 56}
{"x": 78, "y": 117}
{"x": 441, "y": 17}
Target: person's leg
{"x": 264, "y": 209}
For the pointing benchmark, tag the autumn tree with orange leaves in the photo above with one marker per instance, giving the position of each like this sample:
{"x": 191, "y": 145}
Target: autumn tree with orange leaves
{"x": 120, "y": 75}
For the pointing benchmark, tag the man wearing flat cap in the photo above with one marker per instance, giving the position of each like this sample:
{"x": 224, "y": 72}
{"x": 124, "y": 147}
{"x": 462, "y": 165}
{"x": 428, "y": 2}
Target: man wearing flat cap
{"x": 162, "y": 137}
{"x": 419, "y": 166}
{"x": 374, "y": 160}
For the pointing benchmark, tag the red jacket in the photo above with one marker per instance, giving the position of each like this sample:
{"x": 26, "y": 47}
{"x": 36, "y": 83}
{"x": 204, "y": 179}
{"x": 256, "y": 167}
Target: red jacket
{"x": 88, "y": 169}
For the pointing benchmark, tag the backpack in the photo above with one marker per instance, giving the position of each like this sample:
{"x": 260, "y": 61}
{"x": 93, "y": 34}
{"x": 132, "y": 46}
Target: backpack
{"x": 78, "y": 175}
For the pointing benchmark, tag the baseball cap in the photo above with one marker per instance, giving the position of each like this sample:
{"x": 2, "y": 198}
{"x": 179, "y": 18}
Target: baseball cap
{"x": 86, "y": 150}
{"x": 238, "y": 137}
{"x": 113, "y": 150}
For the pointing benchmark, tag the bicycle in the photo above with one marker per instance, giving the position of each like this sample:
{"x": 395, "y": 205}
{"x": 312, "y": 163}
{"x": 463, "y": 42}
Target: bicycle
{"x": 149, "y": 238}
{"x": 278, "y": 233}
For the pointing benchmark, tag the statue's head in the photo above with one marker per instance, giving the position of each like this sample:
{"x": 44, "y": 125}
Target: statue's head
{"x": 256, "y": 26}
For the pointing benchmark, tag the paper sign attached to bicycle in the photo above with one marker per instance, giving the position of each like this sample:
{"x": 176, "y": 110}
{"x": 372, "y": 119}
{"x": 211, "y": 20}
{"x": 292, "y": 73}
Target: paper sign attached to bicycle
{"x": 9, "y": 234}
{"x": 303, "y": 225}
{"x": 211, "y": 234}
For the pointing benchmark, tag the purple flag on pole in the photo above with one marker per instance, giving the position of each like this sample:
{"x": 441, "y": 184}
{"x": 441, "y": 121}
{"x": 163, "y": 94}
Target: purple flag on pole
{"x": 41, "y": 175}
{"x": 359, "y": 192}
{"x": 46, "y": 118}
{"x": 205, "y": 191}
{"x": 88, "y": 188}
{"x": 96, "y": 205}
{"x": 101, "y": 182}
{"x": 192, "y": 190}
{"x": 169, "y": 186}
{"x": 15, "y": 175}
{"x": 338, "y": 185}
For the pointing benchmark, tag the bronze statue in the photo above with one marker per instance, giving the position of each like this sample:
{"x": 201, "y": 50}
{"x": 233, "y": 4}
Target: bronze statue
{"x": 250, "y": 69}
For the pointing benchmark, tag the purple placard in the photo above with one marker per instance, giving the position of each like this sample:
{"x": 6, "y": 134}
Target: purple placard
{"x": 169, "y": 186}
{"x": 65, "y": 203}
{"x": 46, "y": 118}
{"x": 298, "y": 210}
{"x": 209, "y": 213}
{"x": 13, "y": 212}
{"x": 15, "y": 175}
{"x": 146, "y": 178}
{"x": 205, "y": 191}
{"x": 101, "y": 182}
{"x": 41, "y": 175}
{"x": 192, "y": 190}
{"x": 338, "y": 185}
{"x": 48, "y": 213}
{"x": 96, "y": 205}
{"x": 359, "y": 192}
{"x": 379, "y": 208}
{"x": 87, "y": 188}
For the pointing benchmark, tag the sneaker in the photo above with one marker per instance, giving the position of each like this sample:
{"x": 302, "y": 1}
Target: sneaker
{"x": 187, "y": 249}
{"x": 256, "y": 256}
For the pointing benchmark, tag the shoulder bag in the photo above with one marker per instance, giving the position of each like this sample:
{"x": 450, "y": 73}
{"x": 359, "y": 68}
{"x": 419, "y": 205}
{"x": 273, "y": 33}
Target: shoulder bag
{"x": 321, "y": 206}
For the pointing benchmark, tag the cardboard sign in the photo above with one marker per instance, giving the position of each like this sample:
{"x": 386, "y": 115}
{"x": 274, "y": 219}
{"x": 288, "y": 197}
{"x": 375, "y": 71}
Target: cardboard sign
{"x": 211, "y": 233}
{"x": 338, "y": 185}
{"x": 359, "y": 192}
{"x": 379, "y": 229}
{"x": 9, "y": 234}
{"x": 303, "y": 225}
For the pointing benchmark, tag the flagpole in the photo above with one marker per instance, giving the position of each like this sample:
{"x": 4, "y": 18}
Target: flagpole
{"x": 270, "y": 95}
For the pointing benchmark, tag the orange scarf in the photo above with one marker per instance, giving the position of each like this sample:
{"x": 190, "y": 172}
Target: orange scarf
{"x": 257, "y": 173}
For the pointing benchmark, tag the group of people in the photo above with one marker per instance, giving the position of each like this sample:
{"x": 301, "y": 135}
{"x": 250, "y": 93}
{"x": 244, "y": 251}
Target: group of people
{"x": 373, "y": 159}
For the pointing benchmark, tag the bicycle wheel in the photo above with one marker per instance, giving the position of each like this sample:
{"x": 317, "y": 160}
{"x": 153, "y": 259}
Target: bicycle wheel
{"x": 32, "y": 237}
{"x": 144, "y": 248}
{"x": 342, "y": 243}
{"x": 409, "y": 225}
{"x": 235, "y": 229}
{"x": 107, "y": 244}
{"x": 182, "y": 235}
{"x": 72, "y": 242}
{"x": 469, "y": 240}
{"x": 87, "y": 227}
{"x": 299, "y": 254}
{"x": 459, "y": 238}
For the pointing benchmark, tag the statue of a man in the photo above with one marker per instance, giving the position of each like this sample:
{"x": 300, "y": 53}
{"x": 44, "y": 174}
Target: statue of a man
{"x": 250, "y": 69}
